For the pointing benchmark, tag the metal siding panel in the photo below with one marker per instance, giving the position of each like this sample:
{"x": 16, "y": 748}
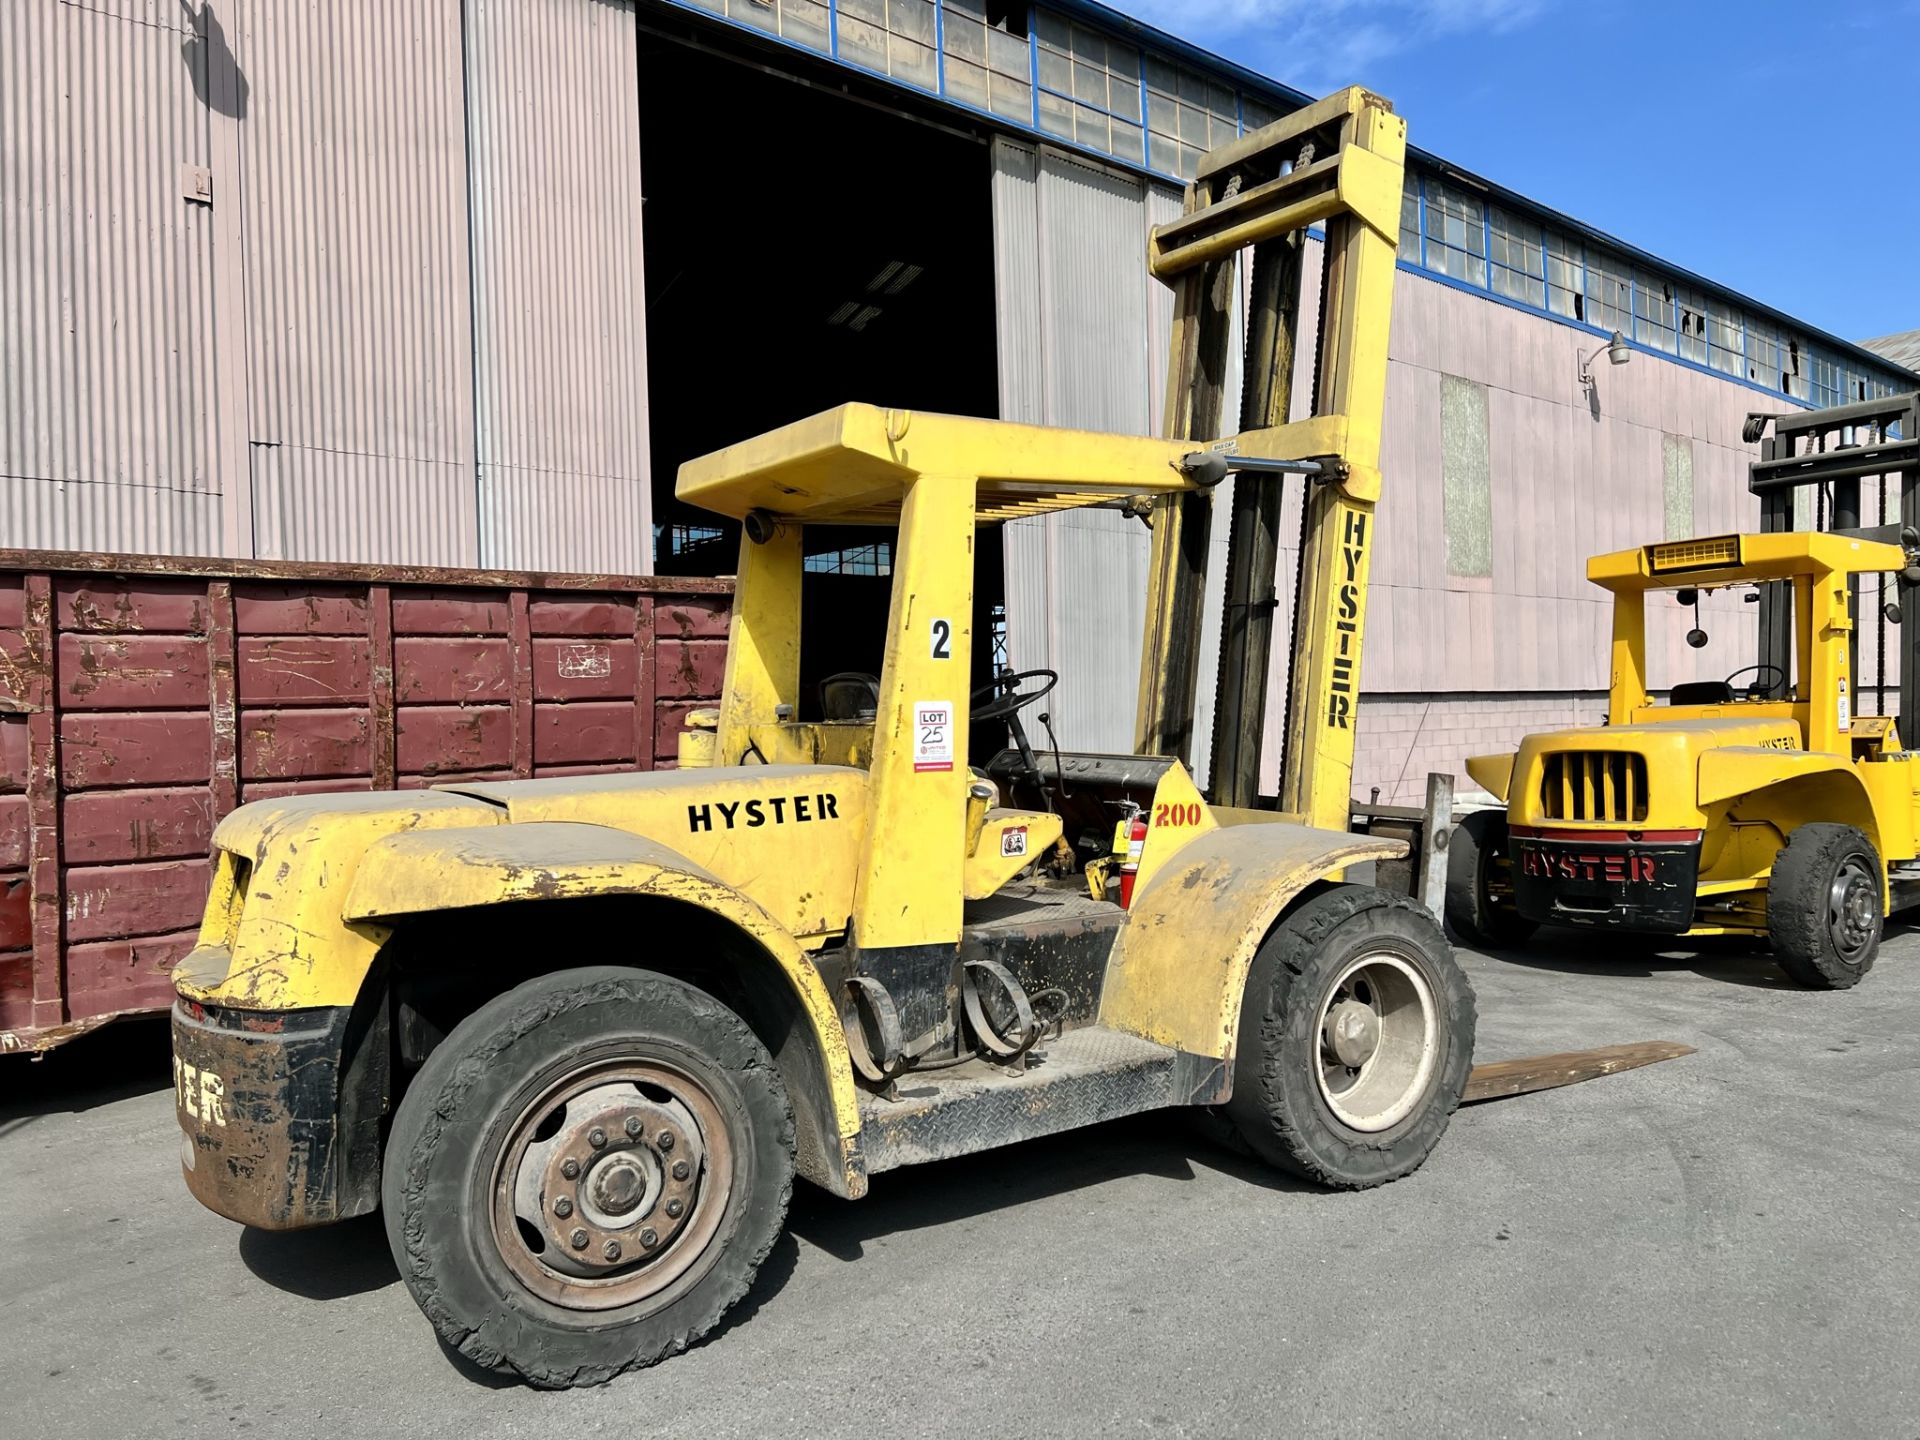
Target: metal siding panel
{"x": 353, "y": 156}
{"x": 1016, "y": 268}
{"x": 537, "y": 520}
{"x": 106, "y": 415}
{"x": 1076, "y": 583}
{"x": 561, "y": 380}
{"x": 360, "y": 509}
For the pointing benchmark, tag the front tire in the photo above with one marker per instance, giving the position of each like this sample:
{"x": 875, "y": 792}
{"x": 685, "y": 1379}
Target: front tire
{"x": 1356, "y": 1035}
{"x": 1479, "y": 904}
{"x": 587, "y": 1173}
{"x": 1826, "y": 907}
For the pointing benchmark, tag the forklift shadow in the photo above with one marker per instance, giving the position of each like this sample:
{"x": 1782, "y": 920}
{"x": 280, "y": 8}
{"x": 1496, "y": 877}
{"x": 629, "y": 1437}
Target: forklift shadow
{"x": 1168, "y": 1144}
{"x": 330, "y": 1262}
{"x": 1729, "y": 961}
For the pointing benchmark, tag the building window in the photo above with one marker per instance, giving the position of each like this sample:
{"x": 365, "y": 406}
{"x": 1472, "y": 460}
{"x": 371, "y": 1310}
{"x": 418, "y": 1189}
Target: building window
{"x": 803, "y": 22}
{"x": 1456, "y": 234}
{"x": 1691, "y": 308}
{"x": 1566, "y": 278}
{"x": 1793, "y": 372}
{"x": 874, "y": 559}
{"x": 1187, "y": 115}
{"x": 1726, "y": 339}
{"x": 1466, "y": 490}
{"x": 1410, "y": 220}
{"x": 894, "y": 37}
{"x": 1256, "y": 115}
{"x": 1653, "y": 312}
{"x": 1763, "y": 358}
{"x": 1089, "y": 88}
{"x": 1609, "y": 293}
{"x": 1823, "y": 381}
{"x": 988, "y": 65}
{"x": 1515, "y": 259}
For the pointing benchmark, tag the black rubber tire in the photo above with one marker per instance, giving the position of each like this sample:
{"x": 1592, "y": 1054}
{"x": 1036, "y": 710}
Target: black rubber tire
{"x": 1277, "y": 1107}
{"x": 1797, "y": 905}
{"x": 1473, "y": 916}
{"x": 458, "y": 1113}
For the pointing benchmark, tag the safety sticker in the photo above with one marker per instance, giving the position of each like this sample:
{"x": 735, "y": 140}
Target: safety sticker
{"x": 1013, "y": 841}
{"x": 933, "y": 735}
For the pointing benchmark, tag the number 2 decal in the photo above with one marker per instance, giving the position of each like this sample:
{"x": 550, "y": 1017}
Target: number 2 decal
{"x": 1177, "y": 815}
{"x": 942, "y": 634}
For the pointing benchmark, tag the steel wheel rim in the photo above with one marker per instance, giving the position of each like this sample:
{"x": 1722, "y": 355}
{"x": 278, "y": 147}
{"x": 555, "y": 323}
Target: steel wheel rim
{"x": 1853, "y": 910}
{"x": 654, "y": 1189}
{"x": 1373, "y": 1072}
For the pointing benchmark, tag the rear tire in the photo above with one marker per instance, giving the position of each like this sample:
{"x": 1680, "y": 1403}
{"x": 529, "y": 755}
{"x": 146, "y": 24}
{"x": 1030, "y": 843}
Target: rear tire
{"x": 1355, "y": 1039}
{"x": 1477, "y": 913}
{"x": 1826, "y": 906}
{"x": 587, "y": 1173}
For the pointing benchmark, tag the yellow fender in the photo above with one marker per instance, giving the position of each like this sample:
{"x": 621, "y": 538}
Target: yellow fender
{"x": 423, "y": 871}
{"x": 1179, "y": 970}
{"x": 1731, "y": 771}
{"x": 1492, "y": 773}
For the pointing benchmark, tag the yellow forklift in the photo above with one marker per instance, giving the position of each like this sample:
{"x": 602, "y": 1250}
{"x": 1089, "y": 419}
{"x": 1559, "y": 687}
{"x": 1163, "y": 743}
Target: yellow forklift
{"x": 578, "y": 1035}
{"x": 1762, "y": 805}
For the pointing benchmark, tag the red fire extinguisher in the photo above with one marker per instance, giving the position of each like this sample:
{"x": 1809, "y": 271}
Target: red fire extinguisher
{"x": 1136, "y": 828}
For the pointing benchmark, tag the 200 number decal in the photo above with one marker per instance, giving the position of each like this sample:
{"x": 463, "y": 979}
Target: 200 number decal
{"x": 1177, "y": 815}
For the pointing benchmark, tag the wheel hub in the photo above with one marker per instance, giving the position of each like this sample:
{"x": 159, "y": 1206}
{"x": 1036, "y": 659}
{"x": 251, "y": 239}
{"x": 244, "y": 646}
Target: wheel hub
{"x": 1353, "y": 1032}
{"x": 1853, "y": 909}
{"x": 1379, "y": 1041}
{"x": 603, "y": 1186}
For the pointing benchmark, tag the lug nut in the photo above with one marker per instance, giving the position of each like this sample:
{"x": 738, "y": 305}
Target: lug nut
{"x": 563, "y": 1207}
{"x": 634, "y": 1127}
{"x": 681, "y": 1169}
{"x": 666, "y": 1140}
{"x": 675, "y": 1208}
{"x": 578, "y": 1239}
{"x": 648, "y": 1239}
{"x": 611, "y": 1249}
{"x": 570, "y": 1168}
{"x": 596, "y": 1137}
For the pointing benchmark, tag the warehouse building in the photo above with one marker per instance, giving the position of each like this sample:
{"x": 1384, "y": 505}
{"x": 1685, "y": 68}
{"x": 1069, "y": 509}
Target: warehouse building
{"x": 463, "y": 281}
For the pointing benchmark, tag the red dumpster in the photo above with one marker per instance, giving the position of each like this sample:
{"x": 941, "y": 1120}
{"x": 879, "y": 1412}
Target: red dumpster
{"x": 143, "y": 697}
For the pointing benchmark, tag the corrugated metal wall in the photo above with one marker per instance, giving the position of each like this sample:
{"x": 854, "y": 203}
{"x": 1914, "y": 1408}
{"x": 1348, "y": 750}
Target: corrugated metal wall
{"x": 1083, "y": 334}
{"x": 106, "y": 417}
{"x": 559, "y": 288}
{"x": 403, "y": 321}
{"x": 359, "y": 351}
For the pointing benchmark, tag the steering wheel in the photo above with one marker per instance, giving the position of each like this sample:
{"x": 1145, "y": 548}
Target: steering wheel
{"x": 1766, "y": 691}
{"x": 1012, "y": 699}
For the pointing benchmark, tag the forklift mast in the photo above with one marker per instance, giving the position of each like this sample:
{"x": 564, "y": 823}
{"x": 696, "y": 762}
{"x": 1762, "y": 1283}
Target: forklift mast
{"x": 1339, "y": 163}
{"x": 1833, "y": 450}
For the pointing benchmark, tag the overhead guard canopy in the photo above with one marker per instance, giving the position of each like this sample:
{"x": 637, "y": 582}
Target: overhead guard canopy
{"x": 1715, "y": 560}
{"x": 852, "y": 466}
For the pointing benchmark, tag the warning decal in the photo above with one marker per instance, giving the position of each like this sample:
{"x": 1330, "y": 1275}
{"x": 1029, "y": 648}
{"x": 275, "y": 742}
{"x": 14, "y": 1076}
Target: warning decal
{"x": 933, "y": 735}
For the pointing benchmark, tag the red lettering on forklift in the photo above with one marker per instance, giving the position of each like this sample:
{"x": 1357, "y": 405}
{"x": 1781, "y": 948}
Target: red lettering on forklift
{"x": 1642, "y": 867}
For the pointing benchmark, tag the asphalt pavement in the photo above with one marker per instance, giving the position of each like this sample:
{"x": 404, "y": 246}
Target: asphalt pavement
{"x": 1726, "y": 1244}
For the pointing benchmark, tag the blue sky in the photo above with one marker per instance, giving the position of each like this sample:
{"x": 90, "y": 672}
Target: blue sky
{"x": 1682, "y": 126}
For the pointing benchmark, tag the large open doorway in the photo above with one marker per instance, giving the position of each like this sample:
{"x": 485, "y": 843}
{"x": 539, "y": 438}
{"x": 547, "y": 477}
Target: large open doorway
{"x": 806, "y": 245}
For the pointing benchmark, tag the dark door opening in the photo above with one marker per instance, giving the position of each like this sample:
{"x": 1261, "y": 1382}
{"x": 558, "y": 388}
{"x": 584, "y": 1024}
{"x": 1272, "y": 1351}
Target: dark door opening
{"x": 804, "y": 249}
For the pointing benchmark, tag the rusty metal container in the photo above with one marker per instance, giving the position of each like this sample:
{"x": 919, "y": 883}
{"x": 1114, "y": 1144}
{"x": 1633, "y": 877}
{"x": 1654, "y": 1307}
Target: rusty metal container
{"x": 143, "y": 697}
